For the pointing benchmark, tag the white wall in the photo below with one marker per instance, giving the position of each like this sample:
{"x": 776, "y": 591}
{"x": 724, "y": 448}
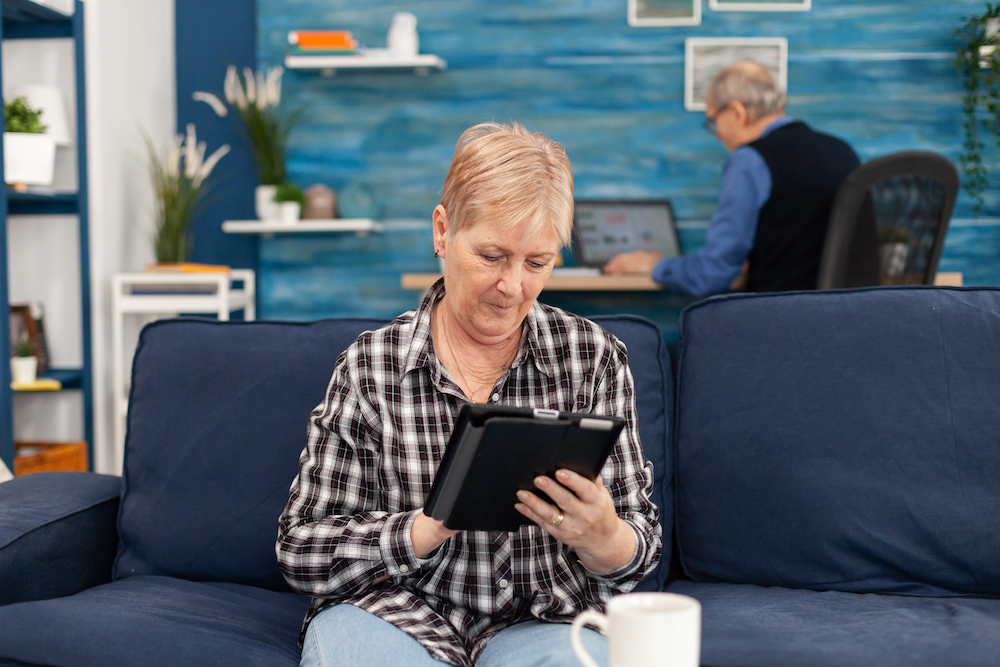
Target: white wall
{"x": 130, "y": 85}
{"x": 132, "y": 80}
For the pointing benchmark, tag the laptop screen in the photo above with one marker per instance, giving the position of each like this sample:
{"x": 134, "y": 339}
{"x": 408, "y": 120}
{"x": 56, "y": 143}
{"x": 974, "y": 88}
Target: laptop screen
{"x": 603, "y": 229}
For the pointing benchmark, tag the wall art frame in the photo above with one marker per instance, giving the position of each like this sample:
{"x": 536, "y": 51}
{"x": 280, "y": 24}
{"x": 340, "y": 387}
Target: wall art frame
{"x": 705, "y": 56}
{"x": 760, "y": 5}
{"x": 663, "y": 13}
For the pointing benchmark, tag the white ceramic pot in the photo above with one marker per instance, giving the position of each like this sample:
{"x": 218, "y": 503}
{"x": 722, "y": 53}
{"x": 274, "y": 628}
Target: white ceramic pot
{"x": 892, "y": 258}
{"x": 28, "y": 159}
{"x": 267, "y": 208}
{"x": 24, "y": 369}
{"x": 289, "y": 212}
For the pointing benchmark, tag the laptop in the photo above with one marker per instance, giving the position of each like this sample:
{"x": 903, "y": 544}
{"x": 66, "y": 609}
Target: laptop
{"x": 603, "y": 229}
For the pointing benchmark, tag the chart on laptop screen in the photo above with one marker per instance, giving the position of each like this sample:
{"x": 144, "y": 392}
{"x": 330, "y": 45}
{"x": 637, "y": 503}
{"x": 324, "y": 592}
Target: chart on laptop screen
{"x": 605, "y": 229}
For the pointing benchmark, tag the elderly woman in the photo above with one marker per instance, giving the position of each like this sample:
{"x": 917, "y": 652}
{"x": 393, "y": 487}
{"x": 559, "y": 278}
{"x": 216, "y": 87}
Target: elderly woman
{"x": 354, "y": 532}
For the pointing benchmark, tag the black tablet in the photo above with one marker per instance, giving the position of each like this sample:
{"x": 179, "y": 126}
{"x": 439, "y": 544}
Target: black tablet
{"x": 495, "y": 451}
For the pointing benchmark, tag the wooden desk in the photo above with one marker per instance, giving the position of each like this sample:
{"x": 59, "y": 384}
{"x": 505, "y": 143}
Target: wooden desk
{"x": 557, "y": 283}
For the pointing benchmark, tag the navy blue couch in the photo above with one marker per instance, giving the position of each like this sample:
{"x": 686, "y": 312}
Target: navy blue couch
{"x": 828, "y": 476}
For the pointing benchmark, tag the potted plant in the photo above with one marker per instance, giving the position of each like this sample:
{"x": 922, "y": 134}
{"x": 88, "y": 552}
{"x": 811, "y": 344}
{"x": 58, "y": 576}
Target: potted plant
{"x": 179, "y": 181}
{"x": 290, "y": 200}
{"x": 979, "y": 68}
{"x": 29, "y": 157}
{"x": 24, "y": 363}
{"x": 256, "y": 98}
{"x": 894, "y": 246}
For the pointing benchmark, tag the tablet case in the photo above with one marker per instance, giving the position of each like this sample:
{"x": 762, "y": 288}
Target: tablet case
{"x": 494, "y": 451}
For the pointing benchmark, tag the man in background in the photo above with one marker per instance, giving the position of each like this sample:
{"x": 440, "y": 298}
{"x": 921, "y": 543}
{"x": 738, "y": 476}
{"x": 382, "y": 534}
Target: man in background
{"x": 778, "y": 186}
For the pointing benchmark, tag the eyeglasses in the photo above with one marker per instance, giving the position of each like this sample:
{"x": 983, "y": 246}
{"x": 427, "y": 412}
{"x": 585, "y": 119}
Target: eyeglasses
{"x": 709, "y": 122}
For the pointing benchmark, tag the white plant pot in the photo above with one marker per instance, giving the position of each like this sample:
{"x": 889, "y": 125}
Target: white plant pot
{"x": 892, "y": 258}
{"x": 289, "y": 212}
{"x": 28, "y": 158}
{"x": 267, "y": 208}
{"x": 24, "y": 369}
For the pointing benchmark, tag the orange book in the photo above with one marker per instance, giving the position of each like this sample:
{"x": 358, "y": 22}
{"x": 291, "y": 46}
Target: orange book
{"x": 322, "y": 39}
{"x": 187, "y": 267}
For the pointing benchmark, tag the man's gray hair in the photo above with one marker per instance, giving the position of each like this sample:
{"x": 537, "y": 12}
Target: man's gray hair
{"x": 750, "y": 84}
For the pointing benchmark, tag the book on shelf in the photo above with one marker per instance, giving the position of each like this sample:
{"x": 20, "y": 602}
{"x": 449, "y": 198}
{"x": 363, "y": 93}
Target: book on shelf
{"x": 495, "y": 451}
{"x": 322, "y": 40}
{"x": 186, "y": 267}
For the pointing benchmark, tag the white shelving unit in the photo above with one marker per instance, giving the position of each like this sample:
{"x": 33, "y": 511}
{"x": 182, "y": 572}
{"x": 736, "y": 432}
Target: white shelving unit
{"x": 421, "y": 64}
{"x": 168, "y": 294}
{"x": 357, "y": 225}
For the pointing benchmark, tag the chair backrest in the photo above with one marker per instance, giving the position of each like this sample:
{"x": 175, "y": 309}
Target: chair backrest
{"x": 217, "y": 419}
{"x": 888, "y": 222}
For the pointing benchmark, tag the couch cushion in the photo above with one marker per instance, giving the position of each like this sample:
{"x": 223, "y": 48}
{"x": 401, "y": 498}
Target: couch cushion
{"x": 844, "y": 440}
{"x": 654, "y": 397}
{"x": 217, "y": 419}
{"x": 149, "y": 620}
{"x": 752, "y": 626}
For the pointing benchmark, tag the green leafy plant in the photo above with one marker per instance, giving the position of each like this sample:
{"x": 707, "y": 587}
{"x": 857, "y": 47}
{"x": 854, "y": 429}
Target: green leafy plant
{"x": 980, "y": 71}
{"x": 290, "y": 192}
{"x": 891, "y": 234}
{"x": 19, "y": 117}
{"x": 24, "y": 348}
{"x": 178, "y": 176}
{"x": 265, "y": 128}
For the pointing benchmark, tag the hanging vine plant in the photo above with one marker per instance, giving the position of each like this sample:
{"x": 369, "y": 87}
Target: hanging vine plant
{"x": 979, "y": 65}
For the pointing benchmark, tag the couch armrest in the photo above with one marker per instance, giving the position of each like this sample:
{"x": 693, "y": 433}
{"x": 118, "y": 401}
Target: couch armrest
{"x": 58, "y": 534}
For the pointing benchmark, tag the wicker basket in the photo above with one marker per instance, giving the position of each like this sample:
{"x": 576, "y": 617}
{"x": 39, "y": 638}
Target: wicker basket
{"x": 49, "y": 457}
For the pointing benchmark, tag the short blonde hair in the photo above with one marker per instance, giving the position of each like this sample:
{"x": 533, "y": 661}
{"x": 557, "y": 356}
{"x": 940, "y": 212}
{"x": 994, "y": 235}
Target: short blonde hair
{"x": 511, "y": 175}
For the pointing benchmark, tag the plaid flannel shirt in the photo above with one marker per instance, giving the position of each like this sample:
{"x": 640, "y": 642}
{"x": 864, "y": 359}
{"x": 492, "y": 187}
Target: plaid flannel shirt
{"x": 373, "y": 447}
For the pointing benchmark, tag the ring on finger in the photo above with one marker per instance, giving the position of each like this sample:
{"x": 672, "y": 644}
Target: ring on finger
{"x": 556, "y": 522}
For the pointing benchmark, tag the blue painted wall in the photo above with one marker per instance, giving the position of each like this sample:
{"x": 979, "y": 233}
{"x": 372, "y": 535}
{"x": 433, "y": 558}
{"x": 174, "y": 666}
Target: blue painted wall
{"x": 204, "y": 51}
{"x": 877, "y": 73}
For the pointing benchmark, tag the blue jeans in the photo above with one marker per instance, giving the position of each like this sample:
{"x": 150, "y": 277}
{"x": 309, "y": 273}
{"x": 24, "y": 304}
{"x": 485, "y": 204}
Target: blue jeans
{"x": 346, "y": 636}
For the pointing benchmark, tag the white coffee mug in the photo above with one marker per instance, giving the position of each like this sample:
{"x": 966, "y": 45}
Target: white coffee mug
{"x": 645, "y": 630}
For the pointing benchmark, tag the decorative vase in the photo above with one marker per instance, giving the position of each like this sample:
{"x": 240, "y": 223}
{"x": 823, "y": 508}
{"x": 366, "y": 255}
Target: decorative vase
{"x": 892, "y": 258}
{"x": 28, "y": 159}
{"x": 321, "y": 203}
{"x": 289, "y": 212}
{"x": 23, "y": 370}
{"x": 402, "y": 40}
{"x": 267, "y": 208}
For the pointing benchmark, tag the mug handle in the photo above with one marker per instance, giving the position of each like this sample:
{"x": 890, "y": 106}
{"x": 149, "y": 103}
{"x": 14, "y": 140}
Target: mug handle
{"x": 594, "y": 618}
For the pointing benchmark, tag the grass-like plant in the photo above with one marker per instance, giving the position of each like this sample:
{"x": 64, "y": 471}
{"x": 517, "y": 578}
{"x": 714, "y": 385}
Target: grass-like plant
{"x": 19, "y": 117}
{"x": 24, "y": 348}
{"x": 892, "y": 234}
{"x": 290, "y": 192}
{"x": 265, "y": 128}
{"x": 179, "y": 178}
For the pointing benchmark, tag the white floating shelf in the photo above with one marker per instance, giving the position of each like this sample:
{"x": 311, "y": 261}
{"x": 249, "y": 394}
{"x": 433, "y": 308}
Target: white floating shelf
{"x": 302, "y": 227}
{"x": 422, "y": 63}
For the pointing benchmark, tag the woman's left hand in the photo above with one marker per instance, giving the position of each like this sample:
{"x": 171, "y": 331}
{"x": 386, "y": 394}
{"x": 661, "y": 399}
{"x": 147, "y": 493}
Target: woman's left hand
{"x": 583, "y": 517}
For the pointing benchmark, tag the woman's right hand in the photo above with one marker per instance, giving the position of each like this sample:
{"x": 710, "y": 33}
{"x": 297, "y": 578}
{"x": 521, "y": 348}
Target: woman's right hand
{"x": 428, "y": 534}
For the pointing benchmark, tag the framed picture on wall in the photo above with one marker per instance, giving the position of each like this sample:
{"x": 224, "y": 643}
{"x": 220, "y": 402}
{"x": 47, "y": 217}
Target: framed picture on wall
{"x": 705, "y": 56}
{"x": 760, "y": 6}
{"x": 653, "y": 13}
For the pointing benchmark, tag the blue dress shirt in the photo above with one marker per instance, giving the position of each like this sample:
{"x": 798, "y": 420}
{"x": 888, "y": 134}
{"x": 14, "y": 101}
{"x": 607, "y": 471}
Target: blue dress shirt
{"x": 746, "y": 187}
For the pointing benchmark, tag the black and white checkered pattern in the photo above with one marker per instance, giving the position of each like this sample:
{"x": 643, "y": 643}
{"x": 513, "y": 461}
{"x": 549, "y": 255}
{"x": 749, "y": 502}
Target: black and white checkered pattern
{"x": 373, "y": 448}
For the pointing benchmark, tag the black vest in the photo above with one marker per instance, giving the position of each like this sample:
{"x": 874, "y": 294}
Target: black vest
{"x": 807, "y": 169}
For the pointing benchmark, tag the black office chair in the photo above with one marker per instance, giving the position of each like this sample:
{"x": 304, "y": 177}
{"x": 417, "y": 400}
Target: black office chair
{"x": 906, "y": 198}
